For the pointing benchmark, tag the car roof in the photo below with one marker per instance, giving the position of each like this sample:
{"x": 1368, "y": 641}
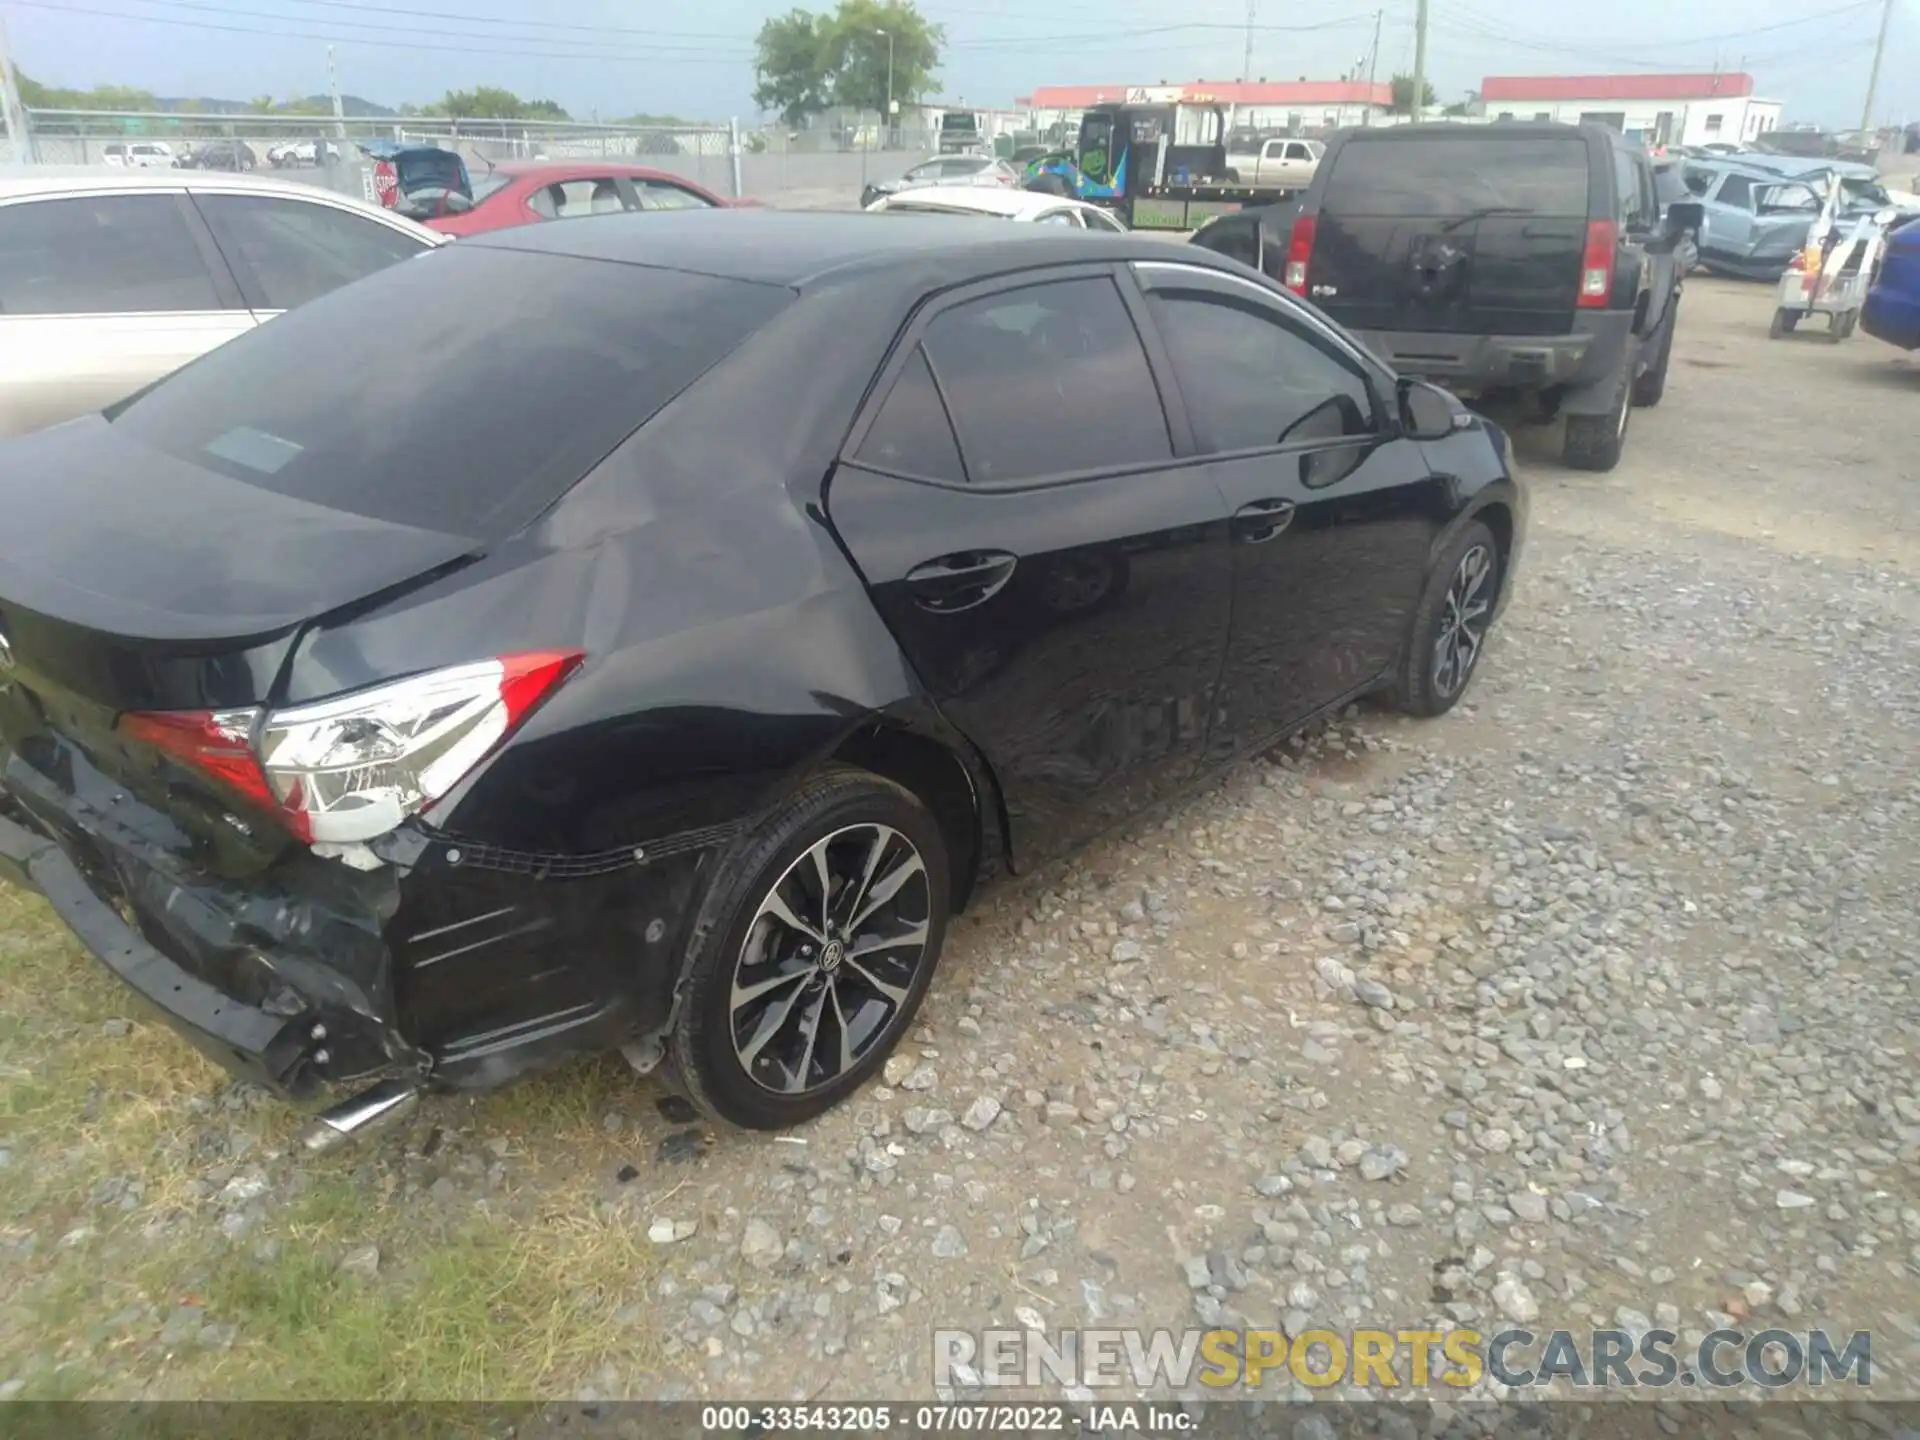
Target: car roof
{"x": 1008, "y": 204}
{"x": 799, "y": 248}
{"x": 18, "y": 180}
{"x": 520, "y": 169}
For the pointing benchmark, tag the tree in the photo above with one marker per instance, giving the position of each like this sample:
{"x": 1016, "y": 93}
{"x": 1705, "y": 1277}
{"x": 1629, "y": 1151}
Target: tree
{"x": 791, "y": 67}
{"x": 1403, "y": 95}
{"x": 862, "y": 76}
{"x": 488, "y": 102}
{"x": 806, "y": 62}
{"x": 1466, "y": 106}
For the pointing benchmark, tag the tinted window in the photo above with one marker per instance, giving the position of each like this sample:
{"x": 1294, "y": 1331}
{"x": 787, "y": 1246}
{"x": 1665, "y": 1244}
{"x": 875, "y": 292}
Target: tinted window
{"x": 1668, "y": 185}
{"x": 1736, "y": 190}
{"x": 1252, "y": 379}
{"x": 1046, "y": 380}
{"x": 460, "y": 393}
{"x": 1626, "y": 174}
{"x": 912, "y": 434}
{"x": 111, "y": 254}
{"x": 287, "y": 252}
{"x": 1698, "y": 181}
{"x": 1434, "y": 177}
{"x": 965, "y": 165}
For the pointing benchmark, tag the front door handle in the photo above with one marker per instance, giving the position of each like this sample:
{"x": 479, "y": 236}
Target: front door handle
{"x": 1262, "y": 520}
{"x": 961, "y": 581}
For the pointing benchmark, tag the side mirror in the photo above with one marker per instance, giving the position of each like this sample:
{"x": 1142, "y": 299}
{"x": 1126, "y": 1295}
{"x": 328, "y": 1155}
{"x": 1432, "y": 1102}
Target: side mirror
{"x": 1427, "y": 412}
{"x": 1685, "y": 215}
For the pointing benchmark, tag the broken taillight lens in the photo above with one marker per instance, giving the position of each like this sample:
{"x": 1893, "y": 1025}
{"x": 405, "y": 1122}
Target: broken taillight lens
{"x": 352, "y": 768}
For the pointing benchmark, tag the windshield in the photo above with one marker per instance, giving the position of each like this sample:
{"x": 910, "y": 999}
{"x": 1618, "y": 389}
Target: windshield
{"x": 490, "y": 183}
{"x": 1431, "y": 177}
{"x": 462, "y": 391}
{"x": 959, "y": 122}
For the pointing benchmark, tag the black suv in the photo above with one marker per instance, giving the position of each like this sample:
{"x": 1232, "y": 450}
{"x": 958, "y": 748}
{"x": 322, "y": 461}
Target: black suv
{"x": 1529, "y": 259}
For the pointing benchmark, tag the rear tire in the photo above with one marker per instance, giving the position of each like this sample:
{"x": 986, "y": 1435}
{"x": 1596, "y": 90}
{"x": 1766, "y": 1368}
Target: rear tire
{"x": 1783, "y": 323}
{"x": 1472, "y": 566}
{"x": 1595, "y": 442}
{"x": 755, "y": 1064}
{"x": 1650, "y": 386}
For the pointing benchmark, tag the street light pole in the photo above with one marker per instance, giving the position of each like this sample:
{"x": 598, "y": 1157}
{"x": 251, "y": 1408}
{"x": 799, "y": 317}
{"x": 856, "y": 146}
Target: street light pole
{"x": 888, "y": 121}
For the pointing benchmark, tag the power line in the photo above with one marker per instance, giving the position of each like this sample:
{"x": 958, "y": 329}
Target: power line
{"x": 63, "y": 7}
{"x": 414, "y": 29}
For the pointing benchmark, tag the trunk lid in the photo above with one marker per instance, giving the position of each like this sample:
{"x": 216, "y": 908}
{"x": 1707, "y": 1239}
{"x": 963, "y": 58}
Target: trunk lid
{"x": 1454, "y": 234}
{"x": 134, "y": 580}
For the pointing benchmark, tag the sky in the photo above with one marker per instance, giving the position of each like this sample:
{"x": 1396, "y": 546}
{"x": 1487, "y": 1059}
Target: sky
{"x": 695, "y": 57}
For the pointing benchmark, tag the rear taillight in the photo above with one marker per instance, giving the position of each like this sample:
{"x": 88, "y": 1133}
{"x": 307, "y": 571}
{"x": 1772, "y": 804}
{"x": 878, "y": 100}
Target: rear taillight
{"x": 1300, "y": 253}
{"x": 1596, "y": 265}
{"x": 353, "y": 768}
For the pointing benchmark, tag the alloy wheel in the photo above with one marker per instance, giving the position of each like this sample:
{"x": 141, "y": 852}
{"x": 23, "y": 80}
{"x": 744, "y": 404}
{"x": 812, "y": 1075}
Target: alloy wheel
{"x": 1463, "y": 624}
{"x": 830, "y": 960}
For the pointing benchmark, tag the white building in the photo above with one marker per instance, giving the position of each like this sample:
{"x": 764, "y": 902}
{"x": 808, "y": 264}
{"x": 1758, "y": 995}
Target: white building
{"x": 1655, "y": 109}
{"x": 1293, "y": 106}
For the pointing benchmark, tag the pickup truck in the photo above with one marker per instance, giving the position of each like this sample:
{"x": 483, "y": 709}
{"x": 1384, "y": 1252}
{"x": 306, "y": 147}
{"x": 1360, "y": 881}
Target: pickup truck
{"x": 1282, "y": 163}
{"x": 1519, "y": 259}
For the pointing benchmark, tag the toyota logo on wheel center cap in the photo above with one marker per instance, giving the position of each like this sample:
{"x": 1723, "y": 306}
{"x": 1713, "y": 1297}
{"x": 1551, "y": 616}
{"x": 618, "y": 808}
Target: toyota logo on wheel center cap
{"x": 831, "y": 957}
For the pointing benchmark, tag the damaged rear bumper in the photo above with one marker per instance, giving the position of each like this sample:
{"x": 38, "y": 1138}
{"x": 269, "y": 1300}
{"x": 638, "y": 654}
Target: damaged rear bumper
{"x": 239, "y": 975}
{"x": 275, "y": 1051}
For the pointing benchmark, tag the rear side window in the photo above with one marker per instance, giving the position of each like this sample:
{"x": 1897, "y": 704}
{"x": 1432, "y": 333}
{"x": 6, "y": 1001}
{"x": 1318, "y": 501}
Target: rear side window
{"x": 1449, "y": 177}
{"x": 912, "y": 434}
{"x": 101, "y": 255}
{"x": 1048, "y": 380}
{"x": 462, "y": 392}
{"x": 287, "y": 252}
{"x": 1736, "y": 190}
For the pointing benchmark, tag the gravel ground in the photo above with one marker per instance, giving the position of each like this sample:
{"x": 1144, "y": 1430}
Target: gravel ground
{"x": 1592, "y": 1003}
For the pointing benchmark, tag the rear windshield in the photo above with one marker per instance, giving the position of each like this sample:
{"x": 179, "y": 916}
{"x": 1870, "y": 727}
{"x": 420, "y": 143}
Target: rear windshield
{"x": 1451, "y": 176}
{"x": 461, "y": 391}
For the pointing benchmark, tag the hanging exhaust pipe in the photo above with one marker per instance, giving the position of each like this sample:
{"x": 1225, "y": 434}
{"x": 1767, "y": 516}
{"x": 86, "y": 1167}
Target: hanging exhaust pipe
{"x": 370, "y": 1110}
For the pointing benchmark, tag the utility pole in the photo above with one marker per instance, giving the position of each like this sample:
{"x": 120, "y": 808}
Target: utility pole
{"x": 1373, "y": 60}
{"x": 1873, "y": 78}
{"x": 333, "y": 89}
{"x": 1420, "y": 59}
{"x": 1246, "y": 56}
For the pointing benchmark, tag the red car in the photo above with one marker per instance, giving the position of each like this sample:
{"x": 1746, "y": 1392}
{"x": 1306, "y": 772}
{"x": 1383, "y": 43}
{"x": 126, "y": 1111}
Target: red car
{"x": 520, "y": 192}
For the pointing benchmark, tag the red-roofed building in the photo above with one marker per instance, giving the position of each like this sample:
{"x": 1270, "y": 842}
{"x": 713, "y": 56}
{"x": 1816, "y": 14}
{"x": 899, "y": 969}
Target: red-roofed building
{"x": 1259, "y": 104}
{"x": 1701, "y": 109}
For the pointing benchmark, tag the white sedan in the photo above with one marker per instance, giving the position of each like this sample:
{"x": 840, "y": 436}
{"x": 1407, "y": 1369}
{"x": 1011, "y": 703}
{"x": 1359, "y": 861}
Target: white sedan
{"x": 1026, "y": 205}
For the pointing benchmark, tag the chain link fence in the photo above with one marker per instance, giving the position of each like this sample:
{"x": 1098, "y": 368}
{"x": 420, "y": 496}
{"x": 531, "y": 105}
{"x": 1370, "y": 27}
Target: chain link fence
{"x": 821, "y": 168}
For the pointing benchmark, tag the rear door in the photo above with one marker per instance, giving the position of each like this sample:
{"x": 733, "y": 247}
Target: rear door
{"x": 285, "y": 252}
{"x": 1467, "y": 234}
{"x": 1059, "y": 580}
{"x": 101, "y": 294}
{"x": 1333, "y": 513}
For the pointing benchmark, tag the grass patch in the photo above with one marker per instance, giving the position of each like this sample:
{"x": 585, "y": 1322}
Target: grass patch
{"x": 490, "y": 1294}
{"x": 498, "y": 1311}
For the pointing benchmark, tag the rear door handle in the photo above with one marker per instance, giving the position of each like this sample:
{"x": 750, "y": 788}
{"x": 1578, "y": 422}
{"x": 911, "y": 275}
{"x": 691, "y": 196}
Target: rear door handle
{"x": 1262, "y": 520}
{"x": 960, "y": 581}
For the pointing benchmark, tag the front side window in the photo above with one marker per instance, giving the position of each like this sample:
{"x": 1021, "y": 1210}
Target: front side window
{"x": 287, "y": 252}
{"x": 1736, "y": 190}
{"x": 101, "y": 255}
{"x": 1048, "y": 380}
{"x": 1253, "y": 380}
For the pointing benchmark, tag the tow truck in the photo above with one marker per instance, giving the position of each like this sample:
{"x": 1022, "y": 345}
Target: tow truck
{"x": 1158, "y": 164}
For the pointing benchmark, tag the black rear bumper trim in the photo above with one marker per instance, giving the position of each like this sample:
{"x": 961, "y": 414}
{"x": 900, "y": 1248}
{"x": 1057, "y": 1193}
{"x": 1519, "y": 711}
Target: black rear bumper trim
{"x": 268, "y": 1049}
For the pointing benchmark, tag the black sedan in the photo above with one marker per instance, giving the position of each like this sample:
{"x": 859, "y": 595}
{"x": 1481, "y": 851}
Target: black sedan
{"x": 648, "y": 631}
